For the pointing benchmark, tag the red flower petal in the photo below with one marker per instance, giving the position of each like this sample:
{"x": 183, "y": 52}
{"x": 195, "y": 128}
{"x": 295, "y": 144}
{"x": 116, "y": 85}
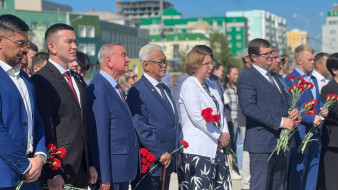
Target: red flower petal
{"x": 185, "y": 144}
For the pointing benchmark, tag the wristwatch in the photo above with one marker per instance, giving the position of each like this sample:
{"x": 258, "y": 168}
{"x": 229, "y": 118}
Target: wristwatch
{"x": 44, "y": 157}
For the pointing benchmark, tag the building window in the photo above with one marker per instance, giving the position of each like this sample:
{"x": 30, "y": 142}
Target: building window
{"x": 90, "y": 49}
{"x": 90, "y": 31}
{"x": 238, "y": 28}
{"x": 238, "y": 36}
{"x": 229, "y": 37}
{"x": 238, "y": 44}
{"x": 2, "y": 4}
{"x": 82, "y": 31}
{"x": 34, "y": 25}
{"x": 230, "y": 45}
{"x": 332, "y": 32}
{"x": 229, "y": 29}
{"x": 105, "y": 36}
{"x": 82, "y": 47}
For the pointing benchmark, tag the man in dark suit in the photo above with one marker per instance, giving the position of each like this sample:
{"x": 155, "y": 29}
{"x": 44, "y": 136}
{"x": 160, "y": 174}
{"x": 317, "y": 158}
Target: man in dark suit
{"x": 265, "y": 105}
{"x": 22, "y": 138}
{"x": 155, "y": 116}
{"x": 62, "y": 103}
{"x": 114, "y": 136}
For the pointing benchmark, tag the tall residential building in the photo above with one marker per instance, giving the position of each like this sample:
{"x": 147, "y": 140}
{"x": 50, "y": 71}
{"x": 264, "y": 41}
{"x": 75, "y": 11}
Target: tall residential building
{"x": 262, "y": 24}
{"x": 41, "y": 5}
{"x": 296, "y": 38}
{"x": 330, "y": 32}
{"x": 140, "y": 9}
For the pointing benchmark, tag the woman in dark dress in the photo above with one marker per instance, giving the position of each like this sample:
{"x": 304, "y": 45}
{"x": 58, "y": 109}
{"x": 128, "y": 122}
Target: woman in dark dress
{"x": 328, "y": 176}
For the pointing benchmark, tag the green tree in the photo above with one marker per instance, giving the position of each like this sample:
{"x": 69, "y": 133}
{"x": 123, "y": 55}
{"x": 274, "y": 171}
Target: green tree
{"x": 222, "y": 53}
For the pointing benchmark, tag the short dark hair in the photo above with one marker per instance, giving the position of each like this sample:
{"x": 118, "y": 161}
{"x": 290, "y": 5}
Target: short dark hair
{"x": 255, "y": 46}
{"x": 55, "y": 28}
{"x": 320, "y": 56}
{"x": 83, "y": 60}
{"x": 33, "y": 47}
{"x": 332, "y": 63}
{"x": 39, "y": 59}
{"x": 12, "y": 23}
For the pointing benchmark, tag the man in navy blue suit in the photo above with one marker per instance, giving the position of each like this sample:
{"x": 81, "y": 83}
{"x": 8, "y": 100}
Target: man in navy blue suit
{"x": 154, "y": 116}
{"x": 22, "y": 138}
{"x": 265, "y": 105}
{"x": 115, "y": 141}
{"x": 304, "y": 167}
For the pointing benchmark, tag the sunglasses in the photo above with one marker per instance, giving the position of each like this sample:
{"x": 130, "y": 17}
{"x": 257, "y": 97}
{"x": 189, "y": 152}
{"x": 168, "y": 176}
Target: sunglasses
{"x": 133, "y": 77}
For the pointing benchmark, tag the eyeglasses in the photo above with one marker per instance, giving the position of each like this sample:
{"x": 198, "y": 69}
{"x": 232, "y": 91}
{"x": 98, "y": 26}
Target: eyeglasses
{"x": 133, "y": 77}
{"x": 159, "y": 63}
{"x": 266, "y": 54}
{"x": 211, "y": 63}
{"x": 21, "y": 44}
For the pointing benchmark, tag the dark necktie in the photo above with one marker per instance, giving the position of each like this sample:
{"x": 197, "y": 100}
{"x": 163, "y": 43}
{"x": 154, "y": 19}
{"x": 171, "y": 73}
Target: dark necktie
{"x": 271, "y": 79}
{"x": 67, "y": 75}
{"x": 123, "y": 96}
{"x": 164, "y": 97}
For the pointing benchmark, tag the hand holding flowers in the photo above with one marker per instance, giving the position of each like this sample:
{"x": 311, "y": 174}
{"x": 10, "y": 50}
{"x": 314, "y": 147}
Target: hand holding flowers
{"x": 330, "y": 99}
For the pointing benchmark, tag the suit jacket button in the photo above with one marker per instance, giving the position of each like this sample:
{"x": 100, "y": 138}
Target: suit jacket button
{"x": 18, "y": 164}
{"x": 136, "y": 144}
{"x": 25, "y": 124}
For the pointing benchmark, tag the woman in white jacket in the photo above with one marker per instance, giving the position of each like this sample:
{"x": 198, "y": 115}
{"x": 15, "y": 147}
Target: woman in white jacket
{"x": 204, "y": 163}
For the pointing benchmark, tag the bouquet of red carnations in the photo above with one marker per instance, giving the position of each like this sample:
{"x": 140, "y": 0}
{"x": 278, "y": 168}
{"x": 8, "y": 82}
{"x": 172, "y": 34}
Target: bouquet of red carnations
{"x": 296, "y": 90}
{"x": 330, "y": 99}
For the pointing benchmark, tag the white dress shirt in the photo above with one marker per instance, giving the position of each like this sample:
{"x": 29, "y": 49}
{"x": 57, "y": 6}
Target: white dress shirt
{"x": 154, "y": 82}
{"x": 322, "y": 81}
{"x": 63, "y": 70}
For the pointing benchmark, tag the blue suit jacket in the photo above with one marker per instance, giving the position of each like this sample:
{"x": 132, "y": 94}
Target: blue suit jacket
{"x": 156, "y": 126}
{"x": 264, "y": 106}
{"x": 114, "y": 136}
{"x": 304, "y": 167}
{"x": 13, "y": 130}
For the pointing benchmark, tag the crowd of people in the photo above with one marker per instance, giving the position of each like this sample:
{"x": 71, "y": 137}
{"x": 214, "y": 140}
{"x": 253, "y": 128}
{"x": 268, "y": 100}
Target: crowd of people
{"x": 103, "y": 125}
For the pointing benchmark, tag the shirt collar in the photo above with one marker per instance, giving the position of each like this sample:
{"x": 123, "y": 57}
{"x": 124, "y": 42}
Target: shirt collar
{"x": 302, "y": 73}
{"x": 59, "y": 67}
{"x": 10, "y": 70}
{"x": 260, "y": 69}
{"x": 153, "y": 81}
{"x": 319, "y": 76}
{"x": 109, "y": 78}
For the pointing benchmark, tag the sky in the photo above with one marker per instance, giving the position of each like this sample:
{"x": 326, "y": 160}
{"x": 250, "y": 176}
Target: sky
{"x": 308, "y": 15}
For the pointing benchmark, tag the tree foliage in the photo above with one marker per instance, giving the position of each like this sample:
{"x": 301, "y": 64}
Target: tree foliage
{"x": 222, "y": 53}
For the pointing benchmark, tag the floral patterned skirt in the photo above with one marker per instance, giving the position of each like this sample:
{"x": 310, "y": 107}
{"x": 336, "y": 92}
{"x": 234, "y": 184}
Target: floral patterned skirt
{"x": 204, "y": 173}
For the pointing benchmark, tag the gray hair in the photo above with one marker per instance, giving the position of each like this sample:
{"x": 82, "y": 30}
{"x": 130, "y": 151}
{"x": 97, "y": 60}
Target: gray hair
{"x": 106, "y": 49}
{"x": 145, "y": 52}
{"x": 291, "y": 64}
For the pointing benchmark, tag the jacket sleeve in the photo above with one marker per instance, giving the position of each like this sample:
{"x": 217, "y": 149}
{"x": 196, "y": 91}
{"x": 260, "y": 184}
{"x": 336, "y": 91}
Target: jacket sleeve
{"x": 147, "y": 136}
{"x": 14, "y": 156}
{"x": 190, "y": 97}
{"x": 99, "y": 115}
{"x": 247, "y": 97}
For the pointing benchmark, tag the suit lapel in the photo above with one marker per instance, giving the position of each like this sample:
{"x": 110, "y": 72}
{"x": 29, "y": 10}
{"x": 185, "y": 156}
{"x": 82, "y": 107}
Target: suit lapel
{"x": 114, "y": 94}
{"x": 155, "y": 93}
{"x": 30, "y": 90}
{"x": 56, "y": 73}
{"x": 9, "y": 81}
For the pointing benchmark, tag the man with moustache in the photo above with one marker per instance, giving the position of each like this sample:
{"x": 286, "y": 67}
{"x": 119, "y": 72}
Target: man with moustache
{"x": 62, "y": 102}
{"x": 114, "y": 136}
{"x": 154, "y": 116}
{"x": 22, "y": 138}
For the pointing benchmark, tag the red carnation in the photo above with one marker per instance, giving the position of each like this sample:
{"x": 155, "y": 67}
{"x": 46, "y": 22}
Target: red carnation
{"x": 51, "y": 148}
{"x": 55, "y": 164}
{"x": 301, "y": 80}
{"x": 206, "y": 112}
{"x": 290, "y": 89}
{"x": 301, "y": 87}
{"x": 144, "y": 151}
{"x": 208, "y": 118}
{"x": 291, "y": 77}
{"x": 215, "y": 118}
{"x": 314, "y": 102}
{"x": 185, "y": 144}
{"x": 61, "y": 152}
{"x": 311, "y": 85}
{"x": 144, "y": 168}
